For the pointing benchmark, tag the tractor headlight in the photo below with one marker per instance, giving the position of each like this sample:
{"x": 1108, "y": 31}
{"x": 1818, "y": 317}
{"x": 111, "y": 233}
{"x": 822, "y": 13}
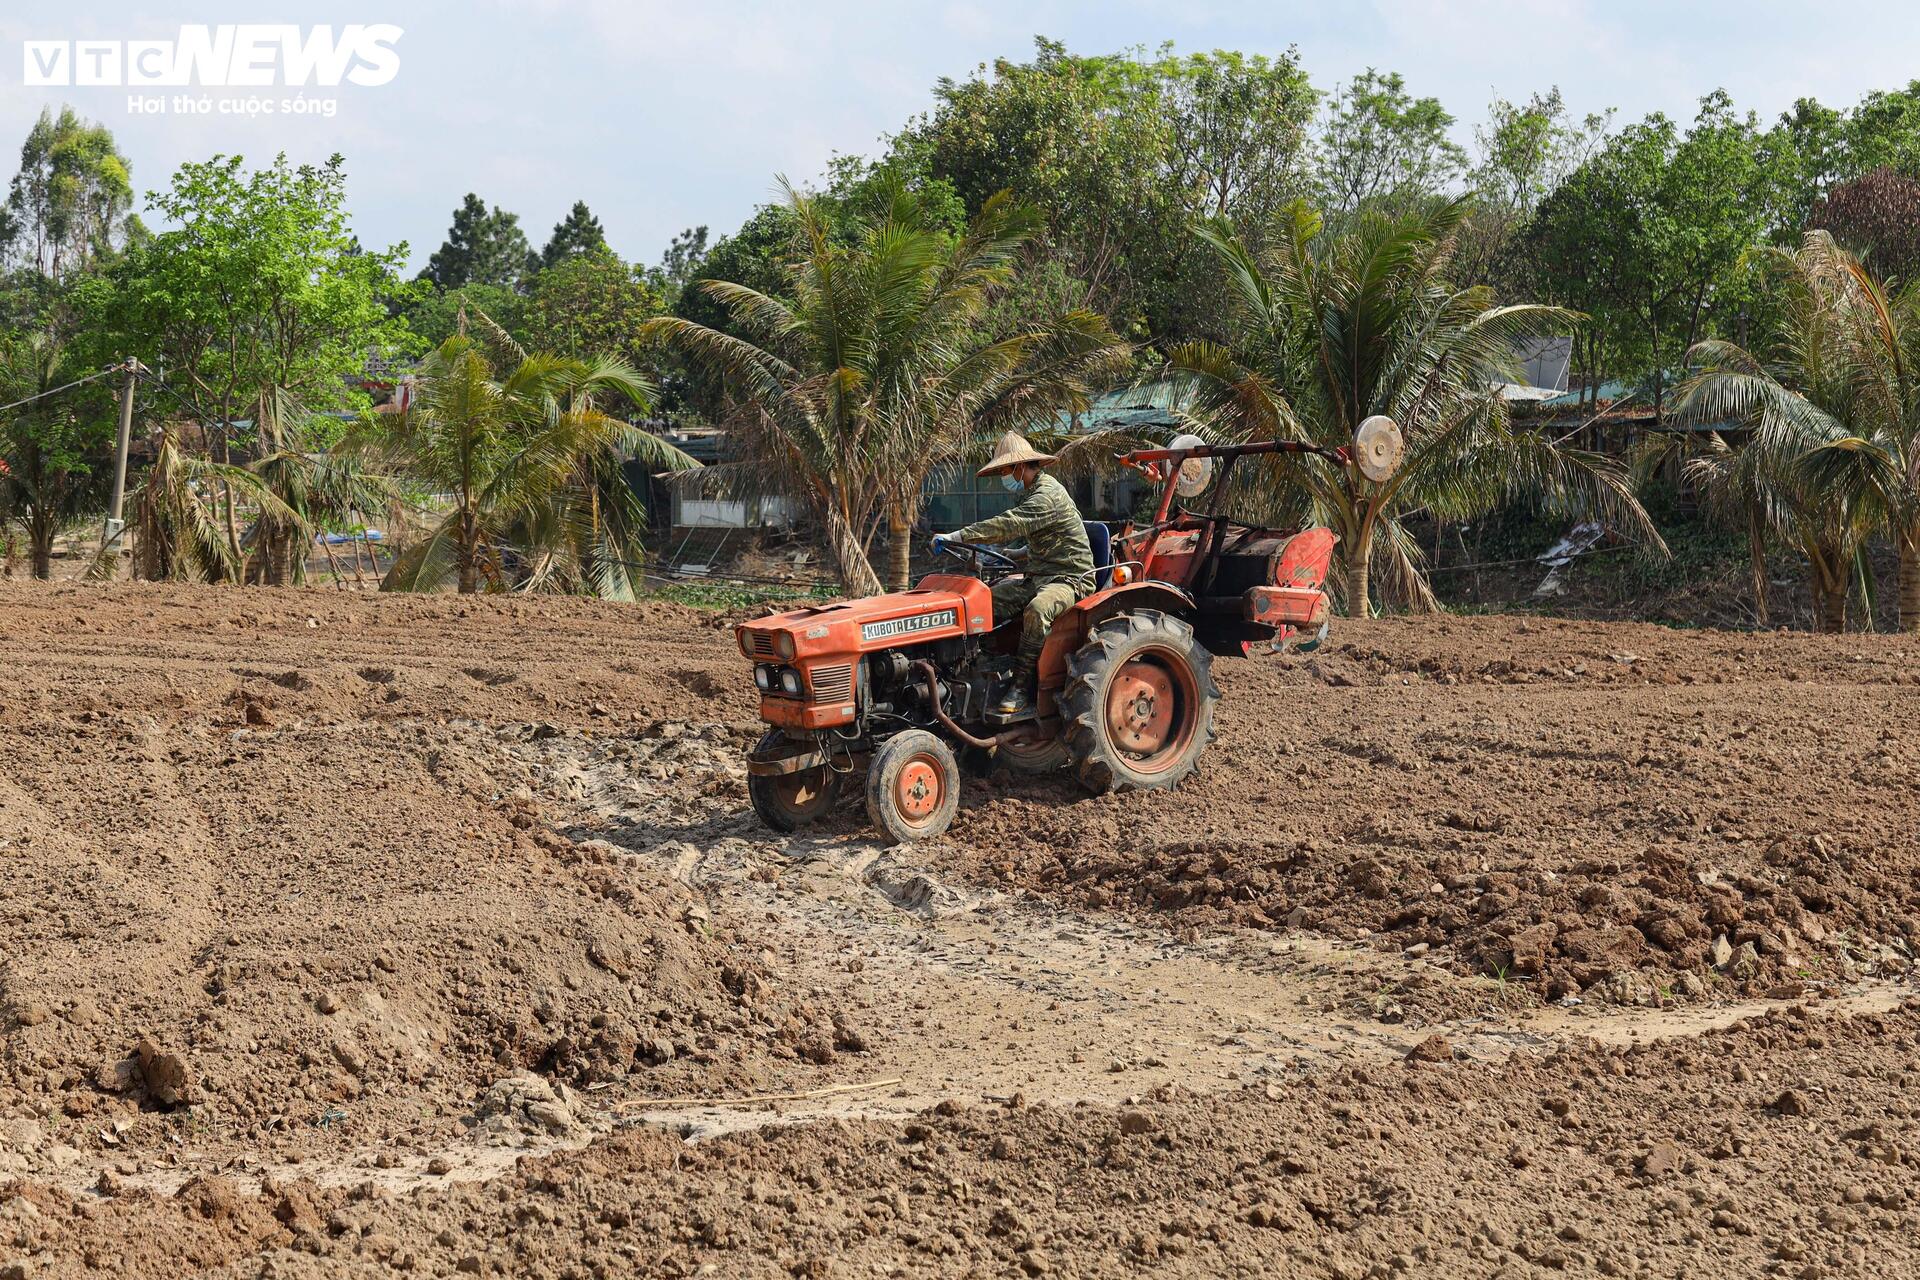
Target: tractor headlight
{"x": 783, "y": 645}
{"x": 790, "y": 682}
{"x": 763, "y": 677}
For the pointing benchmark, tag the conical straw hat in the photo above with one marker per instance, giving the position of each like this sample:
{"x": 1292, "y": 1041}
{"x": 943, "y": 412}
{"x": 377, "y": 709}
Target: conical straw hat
{"x": 1013, "y": 450}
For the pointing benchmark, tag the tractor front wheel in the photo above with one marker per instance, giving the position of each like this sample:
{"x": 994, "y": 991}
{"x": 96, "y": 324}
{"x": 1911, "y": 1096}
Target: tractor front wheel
{"x": 913, "y": 787}
{"x": 1138, "y": 702}
{"x": 785, "y": 802}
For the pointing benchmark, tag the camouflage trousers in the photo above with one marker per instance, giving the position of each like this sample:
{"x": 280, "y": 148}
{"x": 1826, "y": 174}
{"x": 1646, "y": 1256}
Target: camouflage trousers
{"x": 1038, "y": 604}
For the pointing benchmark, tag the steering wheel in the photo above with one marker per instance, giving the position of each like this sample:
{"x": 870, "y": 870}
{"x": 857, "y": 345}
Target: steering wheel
{"x": 980, "y": 552}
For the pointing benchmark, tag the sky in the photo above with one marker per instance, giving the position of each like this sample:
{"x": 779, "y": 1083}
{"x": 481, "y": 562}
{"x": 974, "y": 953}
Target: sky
{"x": 665, "y": 116}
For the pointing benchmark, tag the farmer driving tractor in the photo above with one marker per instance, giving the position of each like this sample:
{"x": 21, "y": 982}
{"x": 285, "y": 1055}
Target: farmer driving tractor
{"x": 1059, "y": 567}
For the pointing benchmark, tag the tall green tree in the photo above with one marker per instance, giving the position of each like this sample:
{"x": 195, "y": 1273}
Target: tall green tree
{"x": 682, "y": 258}
{"x": 1333, "y": 329}
{"x": 483, "y": 246}
{"x": 1648, "y": 236}
{"x": 257, "y": 292}
{"x": 66, "y": 216}
{"x": 53, "y": 452}
{"x": 70, "y": 203}
{"x": 1122, "y": 152}
{"x": 1380, "y": 143}
{"x": 872, "y": 370}
{"x": 1523, "y": 153}
{"x": 577, "y": 233}
{"x": 588, "y": 305}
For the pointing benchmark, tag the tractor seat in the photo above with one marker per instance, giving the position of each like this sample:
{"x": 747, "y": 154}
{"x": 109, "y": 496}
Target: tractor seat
{"x": 1100, "y": 538}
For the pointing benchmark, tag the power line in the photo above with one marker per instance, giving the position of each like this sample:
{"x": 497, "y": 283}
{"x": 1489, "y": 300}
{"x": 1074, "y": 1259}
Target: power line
{"x": 77, "y": 382}
{"x": 1553, "y": 562}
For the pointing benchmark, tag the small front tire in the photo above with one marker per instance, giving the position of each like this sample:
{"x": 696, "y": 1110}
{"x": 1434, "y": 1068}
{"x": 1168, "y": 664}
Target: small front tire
{"x": 786, "y": 802}
{"x": 913, "y": 787}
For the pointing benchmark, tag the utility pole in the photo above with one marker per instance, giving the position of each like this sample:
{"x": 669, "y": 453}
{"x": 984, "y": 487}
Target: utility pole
{"x": 110, "y": 537}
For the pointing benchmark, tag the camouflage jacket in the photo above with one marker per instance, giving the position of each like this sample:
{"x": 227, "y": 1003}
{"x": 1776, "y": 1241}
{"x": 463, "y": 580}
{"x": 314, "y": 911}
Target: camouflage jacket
{"x": 1047, "y": 520}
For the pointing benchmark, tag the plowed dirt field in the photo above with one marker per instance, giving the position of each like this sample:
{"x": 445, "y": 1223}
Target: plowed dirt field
{"x": 347, "y": 935}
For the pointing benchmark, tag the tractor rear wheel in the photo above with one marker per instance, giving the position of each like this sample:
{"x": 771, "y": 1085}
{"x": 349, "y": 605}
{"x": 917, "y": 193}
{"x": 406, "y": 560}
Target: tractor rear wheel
{"x": 1033, "y": 758}
{"x": 1138, "y": 702}
{"x": 913, "y": 787}
{"x": 785, "y": 802}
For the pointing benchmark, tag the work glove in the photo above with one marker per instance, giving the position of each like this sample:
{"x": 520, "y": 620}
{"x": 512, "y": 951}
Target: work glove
{"x": 941, "y": 541}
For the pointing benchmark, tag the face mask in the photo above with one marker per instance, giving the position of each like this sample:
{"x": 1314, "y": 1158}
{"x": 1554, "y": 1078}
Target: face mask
{"x": 1011, "y": 484}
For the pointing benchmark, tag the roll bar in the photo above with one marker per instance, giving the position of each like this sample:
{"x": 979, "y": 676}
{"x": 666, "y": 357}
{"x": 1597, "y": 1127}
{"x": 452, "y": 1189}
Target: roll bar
{"x": 1139, "y": 456}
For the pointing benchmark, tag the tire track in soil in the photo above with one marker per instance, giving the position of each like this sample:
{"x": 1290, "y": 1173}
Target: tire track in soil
{"x": 974, "y": 991}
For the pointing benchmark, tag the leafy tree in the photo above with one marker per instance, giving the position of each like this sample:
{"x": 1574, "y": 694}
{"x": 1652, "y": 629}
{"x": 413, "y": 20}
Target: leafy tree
{"x": 591, "y": 305}
{"x": 1584, "y": 248}
{"x": 65, "y": 216}
{"x": 579, "y": 232}
{"x": 258, "y": 292}
{"x": 875, "y": 373}
{"x": 433, "y": 316}
{"x": 52, "y": 450}
{"x": 678, "y": 264}
{"x": 1810, "y": 152}
{"x": 1238, "y": 131}
{"x": 1884, "y": 132}
{"x": 1878, "y": 216}
{"x": 1379, "y": 143}
{"x": 1334, "y": 329}
{"x": 1647, "y": 236}
{"x": 1122, "y": 152}
{"x": 484, "y": 246}
{"x": 531, "y": 463}
{"x": 69, "y": 204}
{"x": 1523, "y": 154}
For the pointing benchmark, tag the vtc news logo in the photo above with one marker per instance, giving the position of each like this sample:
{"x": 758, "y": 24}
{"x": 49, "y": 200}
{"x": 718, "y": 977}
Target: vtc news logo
{"x": 229, "y": 56}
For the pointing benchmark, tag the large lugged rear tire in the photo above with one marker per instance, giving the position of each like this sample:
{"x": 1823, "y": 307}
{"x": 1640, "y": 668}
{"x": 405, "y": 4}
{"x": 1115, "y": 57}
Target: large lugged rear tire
{"x": 789, "y": 801}
{"x": 1034, "y": 758}
{"x": 1138, "y": 702}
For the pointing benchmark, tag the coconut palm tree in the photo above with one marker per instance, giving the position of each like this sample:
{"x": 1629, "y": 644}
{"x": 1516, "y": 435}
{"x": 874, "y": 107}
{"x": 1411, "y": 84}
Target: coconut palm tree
{"x": 527, "y": 460}
{"x": 179, "y": 515}
{"x": 1831, "y": 418}
{"x": 876, "y": 370}
{"x": 1330, "y": 330}
{"x": 316, "y": 489}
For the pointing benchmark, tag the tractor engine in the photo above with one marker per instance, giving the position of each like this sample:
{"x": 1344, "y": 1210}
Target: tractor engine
{"x": 894, "y": 684}
{"x": 836, "y": 666}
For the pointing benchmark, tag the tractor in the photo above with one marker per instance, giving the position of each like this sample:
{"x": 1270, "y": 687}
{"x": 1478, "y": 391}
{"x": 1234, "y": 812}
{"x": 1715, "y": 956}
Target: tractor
{"x": 897, "y": 687}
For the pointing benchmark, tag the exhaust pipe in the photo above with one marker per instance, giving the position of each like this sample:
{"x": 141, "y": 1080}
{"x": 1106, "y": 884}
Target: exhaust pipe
{"x": 932, "y": 678}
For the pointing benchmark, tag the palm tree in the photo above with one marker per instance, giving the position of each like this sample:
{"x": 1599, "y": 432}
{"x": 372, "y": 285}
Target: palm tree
{"x": 179, "y": 521}
{"x": 527, "y": 461}
{"x": 878, "y": 369}
{"x": 316, "y": 490}
{"x": 1331, "y": 330}
{"x": 1832, "y": 416}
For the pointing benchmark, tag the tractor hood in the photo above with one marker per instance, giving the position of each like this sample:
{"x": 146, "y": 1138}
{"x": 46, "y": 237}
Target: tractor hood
{"x": 942, "y": 606}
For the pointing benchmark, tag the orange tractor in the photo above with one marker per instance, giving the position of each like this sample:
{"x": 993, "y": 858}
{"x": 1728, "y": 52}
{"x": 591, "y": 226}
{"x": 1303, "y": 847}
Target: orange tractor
{"x": 892, "y": 684}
